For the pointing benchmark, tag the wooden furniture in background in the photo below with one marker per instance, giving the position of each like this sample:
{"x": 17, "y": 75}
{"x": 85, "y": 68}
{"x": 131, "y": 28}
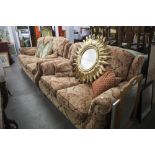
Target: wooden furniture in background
{"x": 125, "y": 110}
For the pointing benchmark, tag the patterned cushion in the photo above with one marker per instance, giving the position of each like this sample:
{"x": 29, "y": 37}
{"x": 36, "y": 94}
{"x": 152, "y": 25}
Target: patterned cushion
{"x": 47, "y": 50}
{"x": 120, "y": 62}
{"x": 48, "y": 68}
{"x": 44, "y": 46}
{"x": 105, "y": 82}
{"x": 32, "y": 68}
{"x": 54, "y": 83}
{"x": 74, "y": 48}
{"x": 40, "y": 48}
{"x": 59, "y": 45}
{"x": 75, "y": 101}
{"x": 136, "y": 66}
{"x": 66, "y": 49}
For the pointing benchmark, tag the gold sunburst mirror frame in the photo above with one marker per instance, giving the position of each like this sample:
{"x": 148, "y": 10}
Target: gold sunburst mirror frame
{"x": 91, "y": 59}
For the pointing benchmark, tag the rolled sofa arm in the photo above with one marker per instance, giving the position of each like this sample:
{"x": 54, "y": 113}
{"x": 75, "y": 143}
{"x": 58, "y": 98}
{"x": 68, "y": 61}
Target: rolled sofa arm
{"x": 28, "y": 50}
{"x": 102, "y": 105}
{"x": 48, "y": 67}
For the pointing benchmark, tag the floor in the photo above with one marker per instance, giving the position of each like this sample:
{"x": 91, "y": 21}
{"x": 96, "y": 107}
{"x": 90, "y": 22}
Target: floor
{"x": 28, "y": 106}
{"x": 32, "y": 110}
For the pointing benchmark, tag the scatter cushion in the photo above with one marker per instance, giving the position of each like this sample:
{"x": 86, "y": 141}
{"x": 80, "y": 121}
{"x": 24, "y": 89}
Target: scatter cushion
{"x": 40, "y": 48}
{"x": 47, "y": 50}
{"x": 105, "y": 82}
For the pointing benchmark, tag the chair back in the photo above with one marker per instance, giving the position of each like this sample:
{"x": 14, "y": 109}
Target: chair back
{"x": 125, "y": 109}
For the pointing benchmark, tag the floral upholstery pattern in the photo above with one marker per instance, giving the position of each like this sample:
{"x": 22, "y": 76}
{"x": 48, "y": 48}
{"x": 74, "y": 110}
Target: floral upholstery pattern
{"x": 54, "y": 83}
{"x": 28, "y": 50}
{"x": 32, "y": 68}
{"x": 136, "y": 66}
{"x": 101, "y": 105}
{"x": 120, "y": 61}
{"x": 73, "y": 99}
{"x": 44, "y": 47}
{"x": 59, "y": 45}
{"x": 66, "y": 50}
{"x": 74, "y": 48}
{"x": 63, "y": 66}
{"x": 76, "y": 102}
{"x": 48, "y": 68}
{"x": 26, "y": 59}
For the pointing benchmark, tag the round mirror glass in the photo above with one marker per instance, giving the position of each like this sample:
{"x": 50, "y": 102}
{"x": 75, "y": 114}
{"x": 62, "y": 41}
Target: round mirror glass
{"x": 88, "y": 59}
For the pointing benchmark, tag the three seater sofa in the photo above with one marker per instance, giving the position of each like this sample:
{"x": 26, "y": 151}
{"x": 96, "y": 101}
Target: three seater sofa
{"x": 56, "y": 79}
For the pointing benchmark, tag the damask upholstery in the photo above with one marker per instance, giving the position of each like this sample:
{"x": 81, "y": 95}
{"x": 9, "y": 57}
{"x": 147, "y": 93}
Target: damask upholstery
{"x": 136, "y": 66}
{"x": 61, "y": 66}
{"x": 101, "y": 105}
{"x": 49, "y": 67}
{"x": 73, "y": 48}
{"x": 59, "y": 45}
{"x": 120, "y": 61}
{"x": 32, "y": 68}
{"x": 54, "y": 83}
{"x": 48, "y": 51}
{"x": 75, "y": 101}
{"x": 28, "y": 50}
{"x": 26, "y": 59}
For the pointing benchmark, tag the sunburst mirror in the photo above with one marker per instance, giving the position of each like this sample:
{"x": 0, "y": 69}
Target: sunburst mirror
{"x": 91, "y": 59}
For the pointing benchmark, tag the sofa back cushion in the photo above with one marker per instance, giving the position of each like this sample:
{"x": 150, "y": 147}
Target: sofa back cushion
{"x": 67, "y": 49}
{"x": 72, "y": 51}
{"x": 120, "y": 62}
{"x": 136, "y": 66}
{"x": 105, "y": 82}
{"x": 59, "y": 45}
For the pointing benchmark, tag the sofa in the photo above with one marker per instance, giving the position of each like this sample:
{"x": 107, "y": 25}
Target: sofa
{"x": 31, "y": 57}
{"x": 56, "y": 79}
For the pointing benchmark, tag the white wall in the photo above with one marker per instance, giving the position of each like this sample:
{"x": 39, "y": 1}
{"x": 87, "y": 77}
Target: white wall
{"x": 70, "y": 33}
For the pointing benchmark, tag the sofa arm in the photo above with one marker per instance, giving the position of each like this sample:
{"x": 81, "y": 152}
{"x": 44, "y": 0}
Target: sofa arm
{"x": 28, "y": 50}
{"x": 101, "y": 106}
{"x": 64, "y": 66}
{"x": 54, "y": 55}
{"x": 44, "y": 67}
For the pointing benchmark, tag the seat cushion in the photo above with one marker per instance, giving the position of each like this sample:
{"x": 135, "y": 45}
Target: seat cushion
{"x": 26, "y": 59}
{"x": 54, "y": 83}
{"x": 32, "y": 68}
{"x": 76, "y": 101}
